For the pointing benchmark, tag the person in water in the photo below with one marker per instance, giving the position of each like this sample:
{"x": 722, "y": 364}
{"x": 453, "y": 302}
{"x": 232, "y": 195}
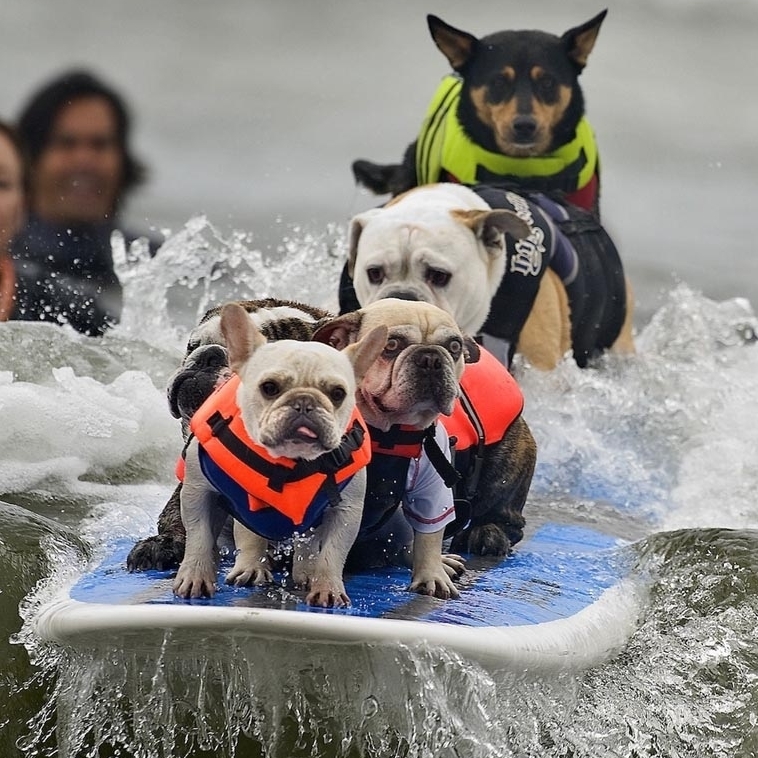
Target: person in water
{"x": 75, "y": 131}
{"x": 11, "y": 211}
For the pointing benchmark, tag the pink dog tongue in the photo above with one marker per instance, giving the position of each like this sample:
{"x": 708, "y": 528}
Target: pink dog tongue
{"x": 306, "y": 432}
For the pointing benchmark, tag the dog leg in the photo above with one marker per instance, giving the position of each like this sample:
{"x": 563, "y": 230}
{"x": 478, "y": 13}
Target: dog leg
{"x": 164, "y": 550}
{"x": 497, "y": 522}
{"x": 430, "y": 575}
{"x": 546, "y": 335}
{"x": 624, "y": 343}
{"x": 251, "y": 564}
{"x": 203, "y": 519}
{"x": 319, "y": 563}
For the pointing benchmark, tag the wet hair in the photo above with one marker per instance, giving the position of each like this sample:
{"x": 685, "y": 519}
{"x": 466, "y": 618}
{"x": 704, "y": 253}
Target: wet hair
{"x": 35, "y": 123}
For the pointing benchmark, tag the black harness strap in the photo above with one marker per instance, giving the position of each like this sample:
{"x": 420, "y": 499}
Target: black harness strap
{"x": 395, "y": 437}
{"x": 278, "y": 475}
{"x": 437, "y": 458}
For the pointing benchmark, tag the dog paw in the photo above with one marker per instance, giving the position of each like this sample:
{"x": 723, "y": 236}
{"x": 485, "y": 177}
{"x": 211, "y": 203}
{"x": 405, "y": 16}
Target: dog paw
{"x": 436, "y": 584}
{"x": 327, "y": 594}
{"x": 246, "y": 575}
{"x": 158, "y": 552}
{"x": 194, "y": 583}
{"x": 487, "y": 539}
{"x": 453, "y": 564}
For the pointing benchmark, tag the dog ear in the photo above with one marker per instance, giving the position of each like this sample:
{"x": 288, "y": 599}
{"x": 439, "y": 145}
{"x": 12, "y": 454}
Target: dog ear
{"x": 241, "y": 335}
{"x": 489, "y": 226}
{"x": 580, "y": 40}
{"x": 339, "y": 332}
{"x": 363, "y": 353}
{"x": 457, "y": 46}
{"x": 471, "y": 351}
{"x": 356, "y": 228}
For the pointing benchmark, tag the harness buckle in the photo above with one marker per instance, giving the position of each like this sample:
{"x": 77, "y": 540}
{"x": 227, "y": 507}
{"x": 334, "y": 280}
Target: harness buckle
{"x": 340, "y": 456}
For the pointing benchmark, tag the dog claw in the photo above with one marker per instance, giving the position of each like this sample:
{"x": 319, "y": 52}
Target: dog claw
{"x": 191, "y": 590}
{"x": 249, "y": 577}
{"x": 453, "y": 564}
{"x": 328, "y": 597}
{"x": 443, "y": 589}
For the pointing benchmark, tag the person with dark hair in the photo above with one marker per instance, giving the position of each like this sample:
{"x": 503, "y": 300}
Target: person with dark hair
{"x": 11, "y": 211}
{"x": 75, "y": 131}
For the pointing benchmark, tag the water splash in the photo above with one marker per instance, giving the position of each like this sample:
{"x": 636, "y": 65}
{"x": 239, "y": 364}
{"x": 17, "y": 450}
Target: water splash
{"x": 199, "y": 268}
{"x": 626, "y": 439}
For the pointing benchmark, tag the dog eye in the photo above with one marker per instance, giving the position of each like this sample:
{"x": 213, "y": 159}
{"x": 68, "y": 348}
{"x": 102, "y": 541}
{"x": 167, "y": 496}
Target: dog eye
{"x": 375, "y": 274}
{"x": 455, "y": 348}
{"x": 337, "y": 394}
{"x": 392, "y": 346}
{"x": 437, "y": 278}
{"x": 269, "y": 388}
{"x": 500, "y": 88}
{"x": 547, "y": 87}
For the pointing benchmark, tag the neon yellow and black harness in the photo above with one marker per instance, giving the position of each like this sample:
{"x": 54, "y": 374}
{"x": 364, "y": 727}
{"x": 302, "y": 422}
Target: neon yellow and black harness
{"x": 444, "y": 152}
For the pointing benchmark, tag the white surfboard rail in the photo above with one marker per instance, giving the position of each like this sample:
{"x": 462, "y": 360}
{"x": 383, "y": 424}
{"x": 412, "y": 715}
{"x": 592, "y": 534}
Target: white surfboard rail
{"x": 581, "y": 640}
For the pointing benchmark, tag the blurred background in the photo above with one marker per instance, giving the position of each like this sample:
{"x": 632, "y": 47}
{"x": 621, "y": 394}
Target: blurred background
{"x": 251, "y": 112}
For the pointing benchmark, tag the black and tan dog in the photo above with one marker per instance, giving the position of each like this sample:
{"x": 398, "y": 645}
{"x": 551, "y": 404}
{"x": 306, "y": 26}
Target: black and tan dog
{"x": 512, "y": 115}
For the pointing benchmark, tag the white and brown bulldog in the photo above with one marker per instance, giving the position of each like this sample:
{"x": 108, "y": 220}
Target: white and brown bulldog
{"x": 494, "y": 265}
{"x": 288, "y": 402}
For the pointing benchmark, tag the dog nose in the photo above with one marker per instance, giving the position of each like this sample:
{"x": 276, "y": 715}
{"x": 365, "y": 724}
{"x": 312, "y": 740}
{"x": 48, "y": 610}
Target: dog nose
{"x": 524, "y": 128}
{"x": 211, "y": 356}
{"x": 303, "y": 404}
{"x": 429, "y": 360}
{"x": 403, "y": 295}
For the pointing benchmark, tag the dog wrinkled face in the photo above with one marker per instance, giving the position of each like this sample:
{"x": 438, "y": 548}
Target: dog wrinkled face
{"x": 415, "y": 378}
{"x": 438, "y": 244}
{"x": 296, "y": 398}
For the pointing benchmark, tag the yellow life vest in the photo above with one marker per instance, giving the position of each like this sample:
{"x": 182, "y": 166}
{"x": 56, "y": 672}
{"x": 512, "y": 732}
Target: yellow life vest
{"x": 444, "y": 152}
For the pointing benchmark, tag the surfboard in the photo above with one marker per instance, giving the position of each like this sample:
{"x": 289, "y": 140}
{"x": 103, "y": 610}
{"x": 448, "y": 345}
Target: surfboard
{"x": 562, "y": 599}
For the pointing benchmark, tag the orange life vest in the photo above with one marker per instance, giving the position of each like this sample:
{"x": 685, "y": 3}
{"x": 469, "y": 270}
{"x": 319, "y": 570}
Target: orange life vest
{"x": 261, "y": 488}
{"x": 490, "y": 401}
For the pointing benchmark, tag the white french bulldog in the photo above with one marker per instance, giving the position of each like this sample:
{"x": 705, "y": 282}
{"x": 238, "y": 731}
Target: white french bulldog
{"x": 297, "y": 402}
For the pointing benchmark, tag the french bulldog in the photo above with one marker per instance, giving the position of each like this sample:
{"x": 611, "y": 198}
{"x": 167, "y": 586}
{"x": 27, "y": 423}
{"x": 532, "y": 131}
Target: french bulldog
{"x": 491, "y": 259}
{"x": 293, "y": 402}
{"x": 204, "y": 367}
{"x": 413, "y": 385}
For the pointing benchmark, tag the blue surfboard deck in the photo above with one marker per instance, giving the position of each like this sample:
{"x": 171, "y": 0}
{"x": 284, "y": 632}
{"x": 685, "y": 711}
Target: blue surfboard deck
{"x": 561, "y": 598}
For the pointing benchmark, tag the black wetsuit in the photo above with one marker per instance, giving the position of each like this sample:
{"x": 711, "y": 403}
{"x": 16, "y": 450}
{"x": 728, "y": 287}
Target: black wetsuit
{"x": 65, "y": 274}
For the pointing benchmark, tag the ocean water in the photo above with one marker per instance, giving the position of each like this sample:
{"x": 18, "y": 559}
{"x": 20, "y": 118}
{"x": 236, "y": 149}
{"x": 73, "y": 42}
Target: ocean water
{"x": 249, "y": 114}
